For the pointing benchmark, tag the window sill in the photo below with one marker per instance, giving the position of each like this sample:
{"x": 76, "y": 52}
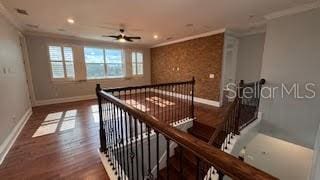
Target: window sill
{"x": 110, "y": 78}
{"x": 137, "y": 77}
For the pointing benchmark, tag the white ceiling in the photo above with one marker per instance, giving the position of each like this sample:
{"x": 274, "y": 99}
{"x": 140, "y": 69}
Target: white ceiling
{"x": 166, "y": 18}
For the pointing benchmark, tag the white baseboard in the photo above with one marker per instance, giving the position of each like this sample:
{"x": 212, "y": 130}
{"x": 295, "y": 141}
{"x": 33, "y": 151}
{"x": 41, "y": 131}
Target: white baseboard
{"x": 196, "y": 99}
{"x": 64, "y": 100}
{"x": 11, "y": 138}
{"x": 88, "y": 97}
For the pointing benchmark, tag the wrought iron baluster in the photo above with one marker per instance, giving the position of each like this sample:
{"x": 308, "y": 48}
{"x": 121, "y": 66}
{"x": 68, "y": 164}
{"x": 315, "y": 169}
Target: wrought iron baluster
{"x": 149, "y": 153}
{"x": 172, "y": 99}
{"x": 136, "y": 140}
{"x": 168, "y": 158}
{"x": 113, "y": 139}
{"x": 116, "y": 140}
{"x": 158, "y": 168}
{"x": 132, "y": 155}
{"x": 142, "y": 154}
{"x": 157, "y": 100}
{"x": 122, "y": 144}
{"x": 127, "y": 143}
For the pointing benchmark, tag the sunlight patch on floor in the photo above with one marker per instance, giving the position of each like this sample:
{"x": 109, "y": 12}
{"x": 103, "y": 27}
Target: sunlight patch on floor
{"x": 95, "y": 113}
{"x": 137, "y": 105}
{"x": 58, "y": 121}
{"x": 160, "y": 102}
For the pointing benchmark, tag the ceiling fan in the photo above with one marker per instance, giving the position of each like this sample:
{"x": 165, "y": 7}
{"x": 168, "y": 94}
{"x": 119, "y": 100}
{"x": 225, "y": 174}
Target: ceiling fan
{"x": 122, "y": 37}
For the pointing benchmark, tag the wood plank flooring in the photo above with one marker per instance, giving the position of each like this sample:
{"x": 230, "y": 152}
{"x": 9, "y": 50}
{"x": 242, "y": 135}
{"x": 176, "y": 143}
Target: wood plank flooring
{"x": 61, "y": 141}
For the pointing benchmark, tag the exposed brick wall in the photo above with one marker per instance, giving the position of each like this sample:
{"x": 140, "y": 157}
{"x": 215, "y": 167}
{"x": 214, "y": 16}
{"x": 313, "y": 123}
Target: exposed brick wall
{"x": 198, "y": 57}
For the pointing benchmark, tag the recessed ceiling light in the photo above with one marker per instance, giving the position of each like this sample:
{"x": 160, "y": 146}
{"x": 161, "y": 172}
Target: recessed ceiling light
{"x": 155, "y": 36}
{"x": 22, "y": 11}
{"x": 70, "y": 21}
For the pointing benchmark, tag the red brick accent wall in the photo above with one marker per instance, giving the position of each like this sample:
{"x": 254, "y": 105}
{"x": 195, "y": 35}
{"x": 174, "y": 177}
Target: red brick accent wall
{"x": 198, "y": 57}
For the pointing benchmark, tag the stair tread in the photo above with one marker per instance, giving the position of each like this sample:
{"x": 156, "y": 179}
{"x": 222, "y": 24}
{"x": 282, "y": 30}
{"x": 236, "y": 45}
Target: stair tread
{"x": 202, "y": 126}
{"x": 205, "y": 136}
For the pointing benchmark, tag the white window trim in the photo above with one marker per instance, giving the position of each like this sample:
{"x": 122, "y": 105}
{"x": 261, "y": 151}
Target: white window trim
{"x": 65, "y": 79}
{"x": 137, "y": 75}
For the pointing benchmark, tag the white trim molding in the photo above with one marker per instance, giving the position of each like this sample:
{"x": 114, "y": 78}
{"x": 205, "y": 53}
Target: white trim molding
{"x": 11, "y": 138}
{"x": 207, "y": 102}
{"x": 182, "y": 96}
{"x": 191, "y": 37}
{"x": 64, "y": 100}
{"x": 294, "y": 10}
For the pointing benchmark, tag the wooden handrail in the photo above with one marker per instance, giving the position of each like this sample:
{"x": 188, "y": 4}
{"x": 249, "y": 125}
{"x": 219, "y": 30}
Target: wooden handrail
{"x": 223, "y": 162}
{"x": 242, "y": 86}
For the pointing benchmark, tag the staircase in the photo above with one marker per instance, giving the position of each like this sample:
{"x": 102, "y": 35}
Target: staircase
{"x": 189, "y": 161}
{"x": 122, "y": 126}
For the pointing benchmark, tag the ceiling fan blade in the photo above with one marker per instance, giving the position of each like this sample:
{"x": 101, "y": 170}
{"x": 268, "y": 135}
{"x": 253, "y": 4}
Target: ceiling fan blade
{"x": 112, "y": 36}
{"x": 128, "y": 39}
{"x": 134, "y": 37}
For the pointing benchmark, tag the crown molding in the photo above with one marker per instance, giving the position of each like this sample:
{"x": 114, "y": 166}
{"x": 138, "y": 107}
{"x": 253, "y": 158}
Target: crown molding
{"x": 10, "y": 18}
{"x": 191, "y": 37}
{"x": 294, "y": 10}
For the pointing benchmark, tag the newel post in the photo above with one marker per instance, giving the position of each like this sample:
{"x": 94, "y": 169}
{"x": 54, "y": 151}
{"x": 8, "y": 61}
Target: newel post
{"x": 239, "y": 99}
{"x": 103, "y": 147}
{"x": 192, "y": 97}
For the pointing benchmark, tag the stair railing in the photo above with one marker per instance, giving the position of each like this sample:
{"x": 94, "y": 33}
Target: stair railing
{"x": 248, "y": 106}
{"x": 236, "y": 116}
{"x": 125, "y": 138}
{"x": 169, "y": 102}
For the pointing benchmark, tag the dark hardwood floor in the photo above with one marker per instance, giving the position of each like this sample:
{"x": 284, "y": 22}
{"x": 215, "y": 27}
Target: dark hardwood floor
{"x": 60, "y": 142}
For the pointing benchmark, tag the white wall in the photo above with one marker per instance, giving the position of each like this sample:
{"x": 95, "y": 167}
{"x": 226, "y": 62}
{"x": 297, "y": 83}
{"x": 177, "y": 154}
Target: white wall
{"x": 315, "y": 171}
{"x": 14, "y": 96}
{"x": 250, "y": 57}
{"x": 45, "y": 89}
{"x": 292, "y": 54}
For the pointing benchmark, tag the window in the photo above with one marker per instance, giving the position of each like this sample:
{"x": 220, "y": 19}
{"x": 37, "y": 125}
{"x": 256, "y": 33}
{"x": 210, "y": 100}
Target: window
{"x": 94, "y": 58}
{"x": 61, "y": 60}
{"x": 102, "y": 63}
{"x": 137, "y": 63}
{"x": 114, "y": 62}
